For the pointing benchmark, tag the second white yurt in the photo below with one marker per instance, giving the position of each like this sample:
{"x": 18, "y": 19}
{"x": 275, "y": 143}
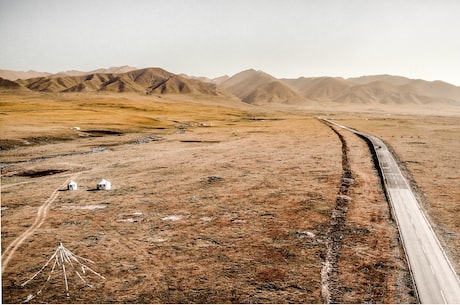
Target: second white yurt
{"x": 104, "y": 185}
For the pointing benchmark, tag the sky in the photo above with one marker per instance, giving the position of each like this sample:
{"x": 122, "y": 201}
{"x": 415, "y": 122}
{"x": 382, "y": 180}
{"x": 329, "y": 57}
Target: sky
{"x": 285, "y": 38}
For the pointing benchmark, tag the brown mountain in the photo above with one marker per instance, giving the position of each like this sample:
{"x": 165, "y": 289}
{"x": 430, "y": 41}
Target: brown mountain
{"x": 219, "y": 80}
{"x": 50, "y": 83}
{"x": 258, "y": 87}
{"x": 147, "y": 81}
{"x": 274, "y": 92}
{"x": 392, "y": 79}
{"x": 319, "y": 88}
{"x": 382, "y": 89}
{"x": 6, "y": 84}
{"x": 243, "y": 83}
{"x": 156, "y": 80}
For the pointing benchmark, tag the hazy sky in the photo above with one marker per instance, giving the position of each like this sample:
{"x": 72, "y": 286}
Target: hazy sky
{"x": 285, "y": 38}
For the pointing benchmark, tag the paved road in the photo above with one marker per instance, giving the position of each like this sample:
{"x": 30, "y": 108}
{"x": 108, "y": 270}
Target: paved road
{"x": 434, "y": 277}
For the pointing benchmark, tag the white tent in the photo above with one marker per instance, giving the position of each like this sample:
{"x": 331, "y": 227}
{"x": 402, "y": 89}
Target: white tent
{"x": 72, "y": 186}
{"x": 104, "y": 185}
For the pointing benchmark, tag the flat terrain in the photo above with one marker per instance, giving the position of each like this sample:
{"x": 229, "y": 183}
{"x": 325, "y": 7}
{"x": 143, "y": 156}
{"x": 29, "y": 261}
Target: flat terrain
{"x": 213, "y": 201}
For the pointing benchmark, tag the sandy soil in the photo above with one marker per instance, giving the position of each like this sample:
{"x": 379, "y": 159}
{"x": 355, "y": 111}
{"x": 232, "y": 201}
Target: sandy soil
{"x": 212, "y": 202}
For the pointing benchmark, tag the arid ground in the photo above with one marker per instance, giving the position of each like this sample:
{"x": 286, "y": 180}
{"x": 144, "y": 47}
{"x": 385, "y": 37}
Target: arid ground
{"x": 212, "y": 200}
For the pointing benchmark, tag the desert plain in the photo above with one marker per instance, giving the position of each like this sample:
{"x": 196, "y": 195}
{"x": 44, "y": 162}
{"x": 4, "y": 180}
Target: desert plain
{"x": 214, "y": 200}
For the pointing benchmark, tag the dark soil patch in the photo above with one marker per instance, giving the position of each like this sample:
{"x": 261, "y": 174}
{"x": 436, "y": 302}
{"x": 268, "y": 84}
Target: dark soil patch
{"x": 8, "y": 144}
{"x": 264, "y": 119}
{"x": 103, "y": 132}
{"x": 40, "y": 173}
{"x": 44, "y": 140}
{"x": 200, "y": 141}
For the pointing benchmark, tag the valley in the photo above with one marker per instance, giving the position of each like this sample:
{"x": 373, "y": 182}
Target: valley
{"x": 216, "y": 197}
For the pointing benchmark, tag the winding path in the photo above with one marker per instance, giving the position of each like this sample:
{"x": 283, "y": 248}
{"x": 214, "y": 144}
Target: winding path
{"x": 7, "y": 255}
{"x": 434, "y": 276}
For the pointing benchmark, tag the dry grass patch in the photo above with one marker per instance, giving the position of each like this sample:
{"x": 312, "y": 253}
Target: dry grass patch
{"x": 213, "y": 201}
{"x": 217, "y": 221}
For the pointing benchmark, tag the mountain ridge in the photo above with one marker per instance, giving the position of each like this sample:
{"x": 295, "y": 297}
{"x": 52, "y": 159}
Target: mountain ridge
{"x": 258, "y": 87}
{"x": 145, "y": 81}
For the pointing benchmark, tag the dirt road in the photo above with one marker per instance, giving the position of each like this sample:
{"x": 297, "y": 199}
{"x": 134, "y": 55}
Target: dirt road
{"x": 41, "y": 215}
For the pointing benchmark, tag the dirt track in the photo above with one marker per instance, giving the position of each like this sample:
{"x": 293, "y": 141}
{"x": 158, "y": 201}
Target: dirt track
{"x": 40, "y": 218}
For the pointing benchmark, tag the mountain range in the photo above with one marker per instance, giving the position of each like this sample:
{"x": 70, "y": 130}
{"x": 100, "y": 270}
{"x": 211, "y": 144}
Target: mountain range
{"x": 250, "y": 86}
{"x": 145, "y": 81}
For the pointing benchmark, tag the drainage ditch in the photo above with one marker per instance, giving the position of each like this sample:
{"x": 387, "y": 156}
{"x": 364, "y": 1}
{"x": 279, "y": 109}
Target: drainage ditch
{"x": 330, "y": 289}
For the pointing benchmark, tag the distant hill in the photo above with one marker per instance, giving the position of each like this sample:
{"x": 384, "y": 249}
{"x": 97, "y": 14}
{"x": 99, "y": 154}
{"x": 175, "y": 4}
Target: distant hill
{"x": 15, "y": 75}
{"x": 258, "y": 87}
{"x": 274, "y": 92}
{"x": 382, "y": 89}
{"x": 319, "y": 88}
{"x": 145, "y": 81}
{"x": 111, "y": 70}
{"x": 217, "y": 80}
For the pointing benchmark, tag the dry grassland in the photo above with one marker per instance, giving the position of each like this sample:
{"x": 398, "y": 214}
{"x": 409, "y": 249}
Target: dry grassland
{"x": 213, "y": 201}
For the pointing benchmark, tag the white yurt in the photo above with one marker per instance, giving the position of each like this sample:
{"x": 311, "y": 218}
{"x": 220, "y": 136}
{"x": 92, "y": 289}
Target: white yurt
{"x": 104, "y": 185}
{"x": 72, "y": 186}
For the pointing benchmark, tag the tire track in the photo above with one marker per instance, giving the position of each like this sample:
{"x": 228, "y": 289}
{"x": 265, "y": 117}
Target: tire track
{"x": 39, "y": 220}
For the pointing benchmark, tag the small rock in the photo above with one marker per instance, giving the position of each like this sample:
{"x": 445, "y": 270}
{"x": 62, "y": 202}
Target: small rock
{"x": 172, "y": 218}
{"x": 344, "y": 197}
{"x": 206, "y": 218}
{"x": 303, "y": 234}
{"x": 348, "y": 181}
{"x": 212, "y": 179}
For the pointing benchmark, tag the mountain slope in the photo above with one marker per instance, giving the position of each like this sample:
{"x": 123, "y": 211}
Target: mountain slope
{"x": 274, "y": 92}
{"x": 51, "y": 84}
{"x": 319, "y": 88}
{"x": 243, "y": 83}
{"x": 6, "y": 84}
{"x": 257, "y": 87}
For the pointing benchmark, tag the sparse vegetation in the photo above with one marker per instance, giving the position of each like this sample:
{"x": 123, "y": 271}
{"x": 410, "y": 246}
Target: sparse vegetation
{"x": 206, "y": 206}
